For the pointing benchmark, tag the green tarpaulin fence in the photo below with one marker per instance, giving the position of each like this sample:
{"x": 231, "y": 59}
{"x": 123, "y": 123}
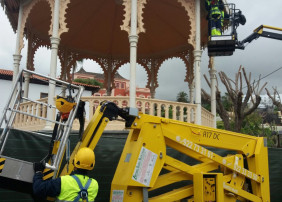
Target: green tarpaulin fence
{"x": 29, "y": 147}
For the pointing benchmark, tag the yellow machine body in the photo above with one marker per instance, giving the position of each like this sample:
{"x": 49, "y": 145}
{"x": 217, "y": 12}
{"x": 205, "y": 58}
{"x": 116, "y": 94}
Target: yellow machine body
{"x": 145, "y": 166}
{"x": 63, "y": 105}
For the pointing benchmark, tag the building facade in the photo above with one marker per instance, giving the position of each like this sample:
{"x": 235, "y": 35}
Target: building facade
{"x": 121, "y": 85}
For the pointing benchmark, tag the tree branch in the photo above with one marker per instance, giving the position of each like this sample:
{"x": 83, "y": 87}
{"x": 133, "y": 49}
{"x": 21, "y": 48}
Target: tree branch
{"x": 254, "y": 107}
{"x": 274, "y": 101}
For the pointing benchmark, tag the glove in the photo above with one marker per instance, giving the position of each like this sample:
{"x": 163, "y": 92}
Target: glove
{"x": 38, "y": 166}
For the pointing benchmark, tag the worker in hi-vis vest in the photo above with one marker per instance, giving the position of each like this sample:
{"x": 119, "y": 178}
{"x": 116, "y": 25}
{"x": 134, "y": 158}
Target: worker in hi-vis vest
{"x": 76, "y": 187}
{"x": 215, "y": 8}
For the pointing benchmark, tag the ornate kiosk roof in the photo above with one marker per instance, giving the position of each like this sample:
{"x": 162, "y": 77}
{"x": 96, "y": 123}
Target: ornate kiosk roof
{"x": 98, "y": 28}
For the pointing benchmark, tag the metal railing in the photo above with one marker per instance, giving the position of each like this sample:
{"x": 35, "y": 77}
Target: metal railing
{"x": 18, "y": 112}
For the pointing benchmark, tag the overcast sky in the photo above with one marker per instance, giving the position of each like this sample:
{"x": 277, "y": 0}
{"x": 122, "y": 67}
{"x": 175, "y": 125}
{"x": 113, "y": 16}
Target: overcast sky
{"x": 261, "y": 57}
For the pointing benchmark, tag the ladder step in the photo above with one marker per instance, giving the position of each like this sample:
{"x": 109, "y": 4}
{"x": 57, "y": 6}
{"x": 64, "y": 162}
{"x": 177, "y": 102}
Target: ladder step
{"x": 16, "y": 169}
{"x": 39, "y": 117}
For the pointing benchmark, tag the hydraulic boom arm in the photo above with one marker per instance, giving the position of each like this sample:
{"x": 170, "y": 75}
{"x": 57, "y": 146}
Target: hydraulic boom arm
{"x": 260, "y": 32}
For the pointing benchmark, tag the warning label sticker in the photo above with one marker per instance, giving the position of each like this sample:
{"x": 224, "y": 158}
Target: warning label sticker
{"x": 145, "y": 166}
{"x": 117, "y": 195}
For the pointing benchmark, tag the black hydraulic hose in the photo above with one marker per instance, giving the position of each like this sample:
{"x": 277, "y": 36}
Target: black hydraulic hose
{"x": 54, "y": 134}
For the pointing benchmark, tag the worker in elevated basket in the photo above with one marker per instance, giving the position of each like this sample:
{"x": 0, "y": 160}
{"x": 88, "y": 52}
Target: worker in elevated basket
{"x": 76, "y": 187}
{"x": 214, "y": 8}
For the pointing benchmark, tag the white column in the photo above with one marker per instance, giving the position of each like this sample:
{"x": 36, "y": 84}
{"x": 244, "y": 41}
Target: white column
{"x": 55, "y": 40}
{"x": 64, "y": 87}
{"x": 191, "y": 93}
{"x": 109, "y": 81}
{"x": 17, "y": 56}
{"x": 152, "y": 84}
{"x": 133, "y": 39}
{"x": 197, "y": 56}
{"x": 213, "y": 92}
{"x": 26, "y": 83}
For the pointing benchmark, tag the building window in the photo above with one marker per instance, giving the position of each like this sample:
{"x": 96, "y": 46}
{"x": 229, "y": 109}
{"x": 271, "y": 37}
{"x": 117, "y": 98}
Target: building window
{"x": 105, "y": 94}
{"x": 43, "y": 95}
{"x": 117, "y": 85}
{"x": 122, "y": 85}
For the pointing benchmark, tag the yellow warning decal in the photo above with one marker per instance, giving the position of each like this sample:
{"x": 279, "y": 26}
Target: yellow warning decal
{"x": 2, "y": 162}
{"x": 47, "y": 174}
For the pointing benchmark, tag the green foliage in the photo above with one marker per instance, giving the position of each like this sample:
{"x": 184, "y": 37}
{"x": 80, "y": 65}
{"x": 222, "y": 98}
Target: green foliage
{"x": 227, "y": 103}
{"x": 169, "y": 112}
{"x": 182, "y": 97}
{"x": 206, "y": 104}
{"x": 252, "y": 125}
{"x": 220, "y": 125}
{"x": 89, "y": 82}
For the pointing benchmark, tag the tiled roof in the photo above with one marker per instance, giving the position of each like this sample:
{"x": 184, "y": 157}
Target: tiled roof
{"x": 8, "y": 74}
{"x": 84, "y": 84}
{"x": 98, "y": 75}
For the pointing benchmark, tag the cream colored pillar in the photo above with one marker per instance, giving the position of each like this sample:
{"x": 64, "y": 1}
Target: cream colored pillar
{"x": 213, "y": 90}
{"x": 55, "y": 40}
{"x": 17, "y": 56}
{"x": 197, "y": 64}
{"x": 26, "y": 83}
{"x": 191, "y": 93}
{"x": 133, "y": 40}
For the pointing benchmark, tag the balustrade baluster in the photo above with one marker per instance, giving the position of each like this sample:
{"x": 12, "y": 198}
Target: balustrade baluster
{"x": 159, "y": 109}
{"x": 166, "y": 111}
{"x": 122, "y": 101}
{"x": 143, "y": 107}
{"x": 181, "y": 117}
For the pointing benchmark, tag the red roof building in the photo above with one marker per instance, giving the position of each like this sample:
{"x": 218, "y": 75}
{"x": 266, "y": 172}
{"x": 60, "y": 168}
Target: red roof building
{"x": 121, "y": 84}
{"x": 8, "y": 75}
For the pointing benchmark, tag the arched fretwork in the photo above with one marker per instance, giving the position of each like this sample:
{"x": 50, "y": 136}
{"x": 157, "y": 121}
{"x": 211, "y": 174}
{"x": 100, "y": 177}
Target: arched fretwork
{"x": 188, "y": 59}
{"x": 68, "y": 60}
{"x": 34, "y": 43}
{"x": 27, "y": 8}
{"x": 110, "y": 67}
{"x": 152, "y": 66}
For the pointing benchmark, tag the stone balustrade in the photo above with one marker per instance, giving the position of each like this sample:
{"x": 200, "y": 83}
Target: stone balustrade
{"x": 25, "y": 122}
{"x": 162, "y": 108}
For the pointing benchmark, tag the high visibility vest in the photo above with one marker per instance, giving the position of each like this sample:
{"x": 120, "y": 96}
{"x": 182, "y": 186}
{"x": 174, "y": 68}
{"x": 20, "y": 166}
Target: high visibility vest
{"x": 70, "y": 188}
{"x": 213, "y": 8}
{"x": 222, "y": 17}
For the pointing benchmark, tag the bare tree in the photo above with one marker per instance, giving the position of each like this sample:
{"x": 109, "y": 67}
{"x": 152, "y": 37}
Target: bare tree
{"x": 239, "y": 101}
{"x": 276, "y": 100}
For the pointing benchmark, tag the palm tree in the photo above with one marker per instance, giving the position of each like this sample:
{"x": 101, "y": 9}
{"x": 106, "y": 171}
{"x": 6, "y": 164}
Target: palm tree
{"x": 182, "y": 97}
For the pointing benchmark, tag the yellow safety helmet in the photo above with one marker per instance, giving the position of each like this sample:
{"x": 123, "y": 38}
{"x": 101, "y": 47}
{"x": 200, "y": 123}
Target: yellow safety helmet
{"x": 64, "y": 105}
{"x": 84, "y": 159}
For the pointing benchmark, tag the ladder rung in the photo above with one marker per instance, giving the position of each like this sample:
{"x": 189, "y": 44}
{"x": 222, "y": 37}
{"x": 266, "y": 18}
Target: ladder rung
{"x": 37, "y": 102}
{"x": 39, "y": 117}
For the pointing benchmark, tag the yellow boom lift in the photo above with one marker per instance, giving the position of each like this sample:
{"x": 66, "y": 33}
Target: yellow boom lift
{"x": 242, "y": 176}
{"x": 145, "y": 165}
